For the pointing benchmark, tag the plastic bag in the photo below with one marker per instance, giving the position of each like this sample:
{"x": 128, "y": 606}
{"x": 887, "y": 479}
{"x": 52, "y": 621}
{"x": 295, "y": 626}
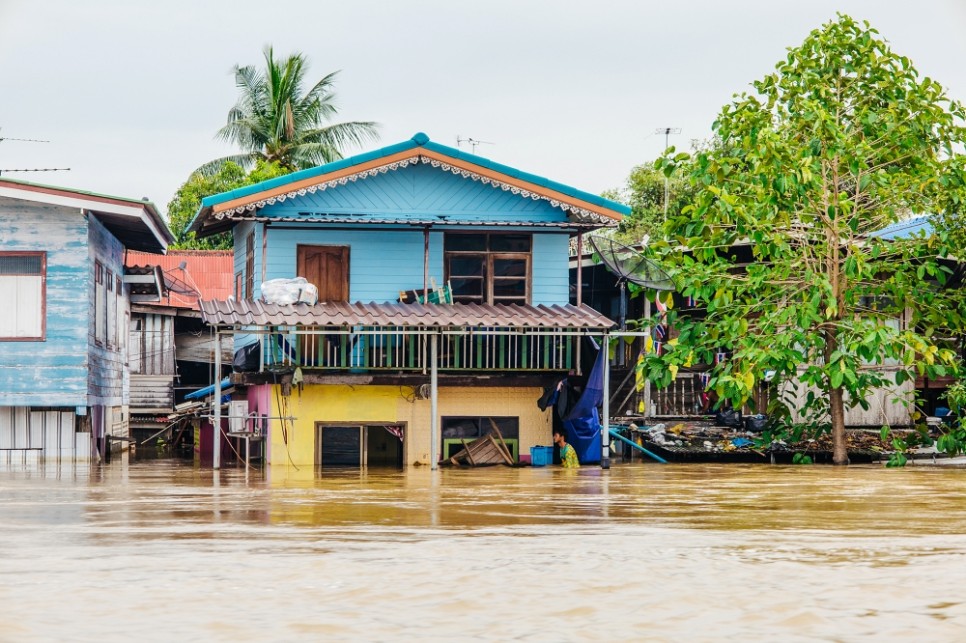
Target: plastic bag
{"x": 756, "y": 423}
{"x": 728, "y": 417}
{"x": 290, "y": 291}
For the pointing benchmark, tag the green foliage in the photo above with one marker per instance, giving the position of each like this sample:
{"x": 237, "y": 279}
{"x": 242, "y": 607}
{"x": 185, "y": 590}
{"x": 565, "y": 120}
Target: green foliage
{"x": 952, "y": 442}
{"x": 187, "y": 200}
{"x": 275, "y": 121}
{"x": 842, "y": 140}
{"x": 802, "y": 458}
{"x": 644, "y": 192}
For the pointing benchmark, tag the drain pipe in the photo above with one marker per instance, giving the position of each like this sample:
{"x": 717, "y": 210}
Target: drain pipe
{"x": 434, "y": 403}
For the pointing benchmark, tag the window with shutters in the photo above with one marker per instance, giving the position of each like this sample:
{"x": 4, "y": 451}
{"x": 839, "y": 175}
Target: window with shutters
{"x": 23, "y": 278}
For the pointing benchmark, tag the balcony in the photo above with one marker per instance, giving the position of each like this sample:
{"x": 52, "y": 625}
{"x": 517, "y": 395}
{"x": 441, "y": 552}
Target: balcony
{"x": 398, "y": 337}
{"x": 408, "y": 350}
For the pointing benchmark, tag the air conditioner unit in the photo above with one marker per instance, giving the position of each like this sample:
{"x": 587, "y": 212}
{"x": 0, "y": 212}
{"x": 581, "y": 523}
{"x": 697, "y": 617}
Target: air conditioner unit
{"x": 238, "y": 417}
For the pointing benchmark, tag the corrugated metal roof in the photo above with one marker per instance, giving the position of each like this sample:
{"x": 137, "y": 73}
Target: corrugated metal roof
{"x": 146, "y": 229}
{"x": 256, "y": 313}
{"x": 905, "y": 229}
{"x": 422, "y": 223}
{"x": 209, "y": 274}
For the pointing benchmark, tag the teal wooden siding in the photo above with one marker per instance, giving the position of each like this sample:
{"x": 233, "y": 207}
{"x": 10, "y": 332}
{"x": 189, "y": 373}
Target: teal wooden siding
{"x": 420, "y": 192}
{"x": 551, "y": 275}
{"x": 53, "y": 372}
{"x": 108, "y": 377}
{"x": 385, "y": 259}
{"x": 240, "y": 235}
{"x": 383, "y": 262}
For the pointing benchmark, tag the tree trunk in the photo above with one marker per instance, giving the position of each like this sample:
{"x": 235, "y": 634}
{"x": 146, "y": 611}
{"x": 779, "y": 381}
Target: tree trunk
{"x": 840, "y": 451}
{"x": 836, "y": 395}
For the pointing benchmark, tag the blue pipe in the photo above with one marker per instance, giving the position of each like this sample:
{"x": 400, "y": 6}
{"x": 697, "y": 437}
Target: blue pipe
{"x": 620, "y": 437}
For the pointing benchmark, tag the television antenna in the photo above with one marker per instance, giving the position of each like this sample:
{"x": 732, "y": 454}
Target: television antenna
{"x": 629, "y": 264}
{"x": 472, "y": 141}
{"x": 667, "y": 131}
{"x": 39, "y": 169}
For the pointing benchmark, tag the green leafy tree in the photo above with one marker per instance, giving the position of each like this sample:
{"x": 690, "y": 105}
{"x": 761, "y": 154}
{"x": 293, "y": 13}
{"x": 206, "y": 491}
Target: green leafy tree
{"x": 841, "y": 140}
{"x": 278, "y": 121}
{"x": 187, "y": 200}
{"x": 644, "y": 192}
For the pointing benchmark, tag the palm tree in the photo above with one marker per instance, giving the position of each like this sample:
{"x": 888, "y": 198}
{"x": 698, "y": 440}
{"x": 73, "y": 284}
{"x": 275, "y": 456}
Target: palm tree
{"x": 274, "y": 121}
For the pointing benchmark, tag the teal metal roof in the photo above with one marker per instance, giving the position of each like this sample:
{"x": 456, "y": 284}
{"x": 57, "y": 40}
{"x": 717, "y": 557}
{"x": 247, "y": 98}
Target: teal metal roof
{"x": 417, "y": 141}
{"x": 913, "y": 226}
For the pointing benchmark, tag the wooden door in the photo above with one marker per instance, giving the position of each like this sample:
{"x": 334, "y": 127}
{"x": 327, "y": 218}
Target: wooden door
{"x": 328, "y": 268}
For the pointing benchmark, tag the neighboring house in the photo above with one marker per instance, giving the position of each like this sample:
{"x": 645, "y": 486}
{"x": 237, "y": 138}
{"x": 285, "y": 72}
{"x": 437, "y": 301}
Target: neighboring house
{"x": 63, "y": 339}
{"x": 391, "y": 382}
{"x": 686, "y": 396}
{"x": 171, "y": 352}
{"x": 929, "y": 393}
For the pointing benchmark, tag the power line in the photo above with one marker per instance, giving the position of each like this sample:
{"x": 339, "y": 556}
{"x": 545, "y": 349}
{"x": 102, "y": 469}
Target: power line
{"x": 36, "y": 169}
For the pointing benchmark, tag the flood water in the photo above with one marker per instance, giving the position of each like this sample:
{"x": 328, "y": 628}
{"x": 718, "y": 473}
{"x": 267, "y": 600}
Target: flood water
{"x": 161, "y": 550}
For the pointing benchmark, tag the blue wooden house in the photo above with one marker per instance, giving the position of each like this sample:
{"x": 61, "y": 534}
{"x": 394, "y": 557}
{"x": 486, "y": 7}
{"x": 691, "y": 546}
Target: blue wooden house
{"x": 63, "y": 360}
{"x": 376, "y": 372}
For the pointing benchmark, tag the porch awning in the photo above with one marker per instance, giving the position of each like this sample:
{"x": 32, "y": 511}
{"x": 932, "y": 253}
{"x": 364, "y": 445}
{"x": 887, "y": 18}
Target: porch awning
{"x": 257, "y": 313}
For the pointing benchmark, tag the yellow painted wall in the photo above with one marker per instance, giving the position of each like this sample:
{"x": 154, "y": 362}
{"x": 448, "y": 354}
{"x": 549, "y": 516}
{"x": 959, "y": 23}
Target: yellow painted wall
{"x": 392, "y": 405}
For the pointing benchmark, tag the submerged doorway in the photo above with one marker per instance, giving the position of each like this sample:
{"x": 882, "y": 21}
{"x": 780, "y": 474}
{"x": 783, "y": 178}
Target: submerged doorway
{"x": 359, "y": 445}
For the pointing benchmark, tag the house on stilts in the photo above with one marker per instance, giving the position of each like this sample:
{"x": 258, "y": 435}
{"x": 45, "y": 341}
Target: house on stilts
{"x": 64, "y": 384}
{"x": 444, "y": 305}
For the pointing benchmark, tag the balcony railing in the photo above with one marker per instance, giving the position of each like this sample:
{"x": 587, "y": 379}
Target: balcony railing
{"x": 408, "y": 350}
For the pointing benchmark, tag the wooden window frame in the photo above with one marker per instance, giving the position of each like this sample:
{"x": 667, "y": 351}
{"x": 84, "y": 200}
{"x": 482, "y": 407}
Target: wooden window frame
{"x": 450, "y": 446}
{"x": 108, "y": 296}
{"x": 99, "y": 329}
{"x": 250, "y": 266}
{"x": 488, "y": 255}
{"x": 42, "y": 337}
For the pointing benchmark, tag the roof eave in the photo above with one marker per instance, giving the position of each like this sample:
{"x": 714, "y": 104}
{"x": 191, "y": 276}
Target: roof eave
{"x": 419, "y": 145}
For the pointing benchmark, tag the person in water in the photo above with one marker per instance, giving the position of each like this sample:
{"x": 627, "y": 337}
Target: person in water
{"x": 568, "y": 455}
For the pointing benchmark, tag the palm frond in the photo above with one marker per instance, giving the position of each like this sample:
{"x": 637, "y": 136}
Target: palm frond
{"x": 246, "y": 161}
{"x": 274, "y": 120}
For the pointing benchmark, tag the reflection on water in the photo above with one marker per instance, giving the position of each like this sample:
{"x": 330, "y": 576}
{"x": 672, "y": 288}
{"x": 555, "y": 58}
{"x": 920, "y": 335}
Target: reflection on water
{"x": 163, "y": 550}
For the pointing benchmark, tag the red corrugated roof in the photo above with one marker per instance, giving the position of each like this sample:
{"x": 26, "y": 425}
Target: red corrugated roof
{"x": 207, "y": 272}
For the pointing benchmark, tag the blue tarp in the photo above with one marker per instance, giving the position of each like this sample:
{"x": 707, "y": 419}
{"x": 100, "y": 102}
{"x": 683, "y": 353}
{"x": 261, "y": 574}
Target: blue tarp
{"x": 208, "y": 390}
{"x": 583, "y": 422}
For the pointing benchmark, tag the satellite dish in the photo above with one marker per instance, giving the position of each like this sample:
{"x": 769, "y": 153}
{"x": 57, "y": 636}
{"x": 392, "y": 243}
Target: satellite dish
{"x": 179, "y": 286}
{"x": 630, "y": 265}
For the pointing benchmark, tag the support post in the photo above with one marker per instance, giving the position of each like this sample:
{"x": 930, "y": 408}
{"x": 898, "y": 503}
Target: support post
{"x": 605, "y": 411}
{"x": 426, "y": 264}
{"x": 434, "y": 403}
{"x": 580, "y": 294}
{"x": 647, "y": 383}
{"x": 216, "y": 420}
{"x": 580, "y": 268}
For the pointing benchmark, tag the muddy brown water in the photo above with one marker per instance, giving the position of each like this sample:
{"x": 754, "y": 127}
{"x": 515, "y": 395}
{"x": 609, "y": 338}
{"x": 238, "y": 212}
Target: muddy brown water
{"x": 161, "y": 550}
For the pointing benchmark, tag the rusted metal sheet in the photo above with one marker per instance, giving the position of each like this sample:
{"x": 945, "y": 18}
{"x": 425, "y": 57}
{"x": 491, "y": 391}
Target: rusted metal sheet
{"x": 206, "y": 274}
{"x": 336, "y": 314}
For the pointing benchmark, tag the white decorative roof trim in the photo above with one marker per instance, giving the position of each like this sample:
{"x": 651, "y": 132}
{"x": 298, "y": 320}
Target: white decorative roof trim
{"x": 579, "y": 214}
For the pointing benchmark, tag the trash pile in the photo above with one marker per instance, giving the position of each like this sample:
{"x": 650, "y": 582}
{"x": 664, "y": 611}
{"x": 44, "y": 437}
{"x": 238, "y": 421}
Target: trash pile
{"x": 707, "y": 441}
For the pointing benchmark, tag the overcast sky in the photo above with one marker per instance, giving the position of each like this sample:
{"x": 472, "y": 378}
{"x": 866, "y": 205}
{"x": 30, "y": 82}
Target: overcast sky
{"x": 130, "y": 93}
